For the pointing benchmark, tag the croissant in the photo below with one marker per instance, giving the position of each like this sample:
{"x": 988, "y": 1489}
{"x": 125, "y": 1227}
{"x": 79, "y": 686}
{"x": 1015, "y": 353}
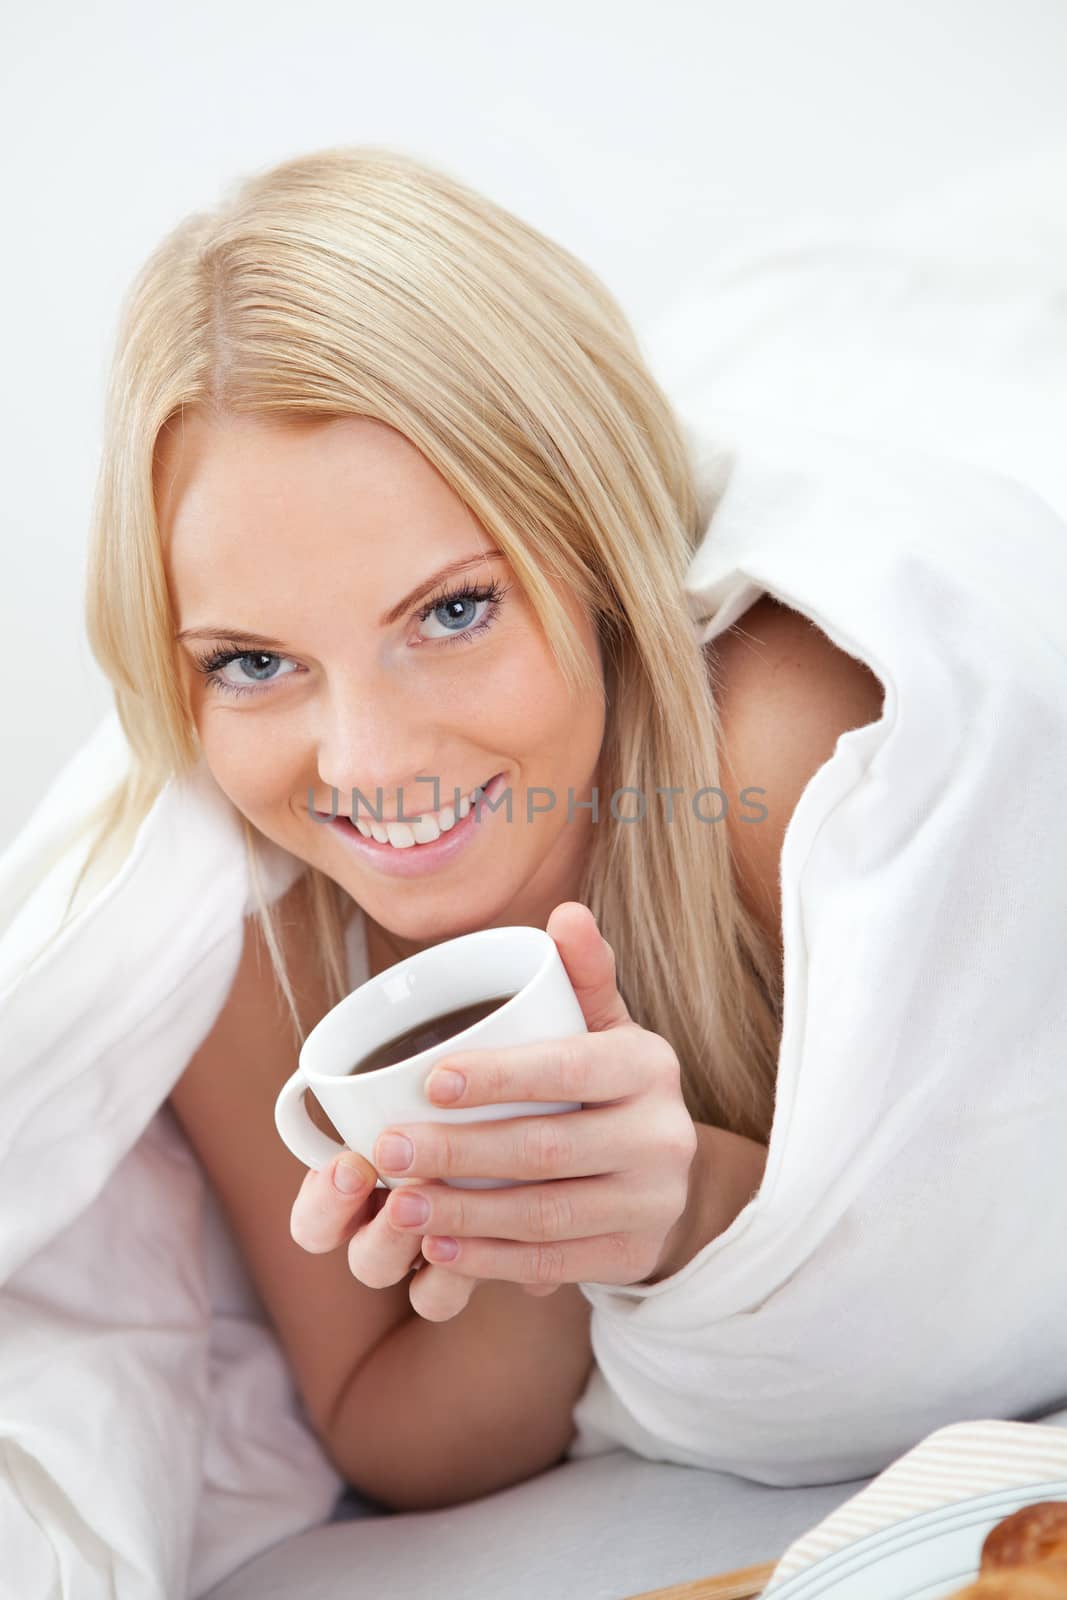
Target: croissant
{"x": 1024, "y": 1557}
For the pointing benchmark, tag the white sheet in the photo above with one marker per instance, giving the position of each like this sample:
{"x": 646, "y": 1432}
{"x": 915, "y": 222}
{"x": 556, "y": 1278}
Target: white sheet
{"x": 902, "y": 1266}
{"x": 151, "y": 1439}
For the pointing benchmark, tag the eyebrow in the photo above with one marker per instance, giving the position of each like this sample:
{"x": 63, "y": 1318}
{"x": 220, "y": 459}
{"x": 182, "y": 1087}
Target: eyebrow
{"x": 219, "y": 631}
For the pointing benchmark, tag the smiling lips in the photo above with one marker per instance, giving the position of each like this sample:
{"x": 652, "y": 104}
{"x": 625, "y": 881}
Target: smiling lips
{"x": 430, "y": 826}
{"x": 418, "y": 860}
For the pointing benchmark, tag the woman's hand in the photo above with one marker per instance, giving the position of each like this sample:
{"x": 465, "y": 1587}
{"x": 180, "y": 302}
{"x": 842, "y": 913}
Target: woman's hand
{"x": 606, "y": 1188}
{"x": 343, "y": 1203}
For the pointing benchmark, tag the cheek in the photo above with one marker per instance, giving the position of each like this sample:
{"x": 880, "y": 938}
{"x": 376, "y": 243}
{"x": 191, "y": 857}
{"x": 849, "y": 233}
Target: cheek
{"x": 526, "y": 706}
{"x": 535, "y": 712}
{"x": 250, "y": 770}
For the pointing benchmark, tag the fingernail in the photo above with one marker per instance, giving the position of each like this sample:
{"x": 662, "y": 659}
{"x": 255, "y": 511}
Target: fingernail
{"x": 348, "y": 1175}
{"x": 442, "y": 1249}
{"x": 394, "y": 1152}
{"x": 445, "y": 1084}
{"x": 410, "y": 1208}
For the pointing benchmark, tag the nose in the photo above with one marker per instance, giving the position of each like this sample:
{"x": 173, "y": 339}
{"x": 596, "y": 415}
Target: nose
{"x": 371, "y": 740}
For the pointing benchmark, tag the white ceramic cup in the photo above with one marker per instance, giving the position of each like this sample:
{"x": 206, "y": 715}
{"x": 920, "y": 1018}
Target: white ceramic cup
{"x": 521, "y": 962}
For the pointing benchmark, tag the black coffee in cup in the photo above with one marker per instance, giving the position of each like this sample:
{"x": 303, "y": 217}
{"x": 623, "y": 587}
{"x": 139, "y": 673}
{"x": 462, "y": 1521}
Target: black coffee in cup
{"x": 427, "y": 1034}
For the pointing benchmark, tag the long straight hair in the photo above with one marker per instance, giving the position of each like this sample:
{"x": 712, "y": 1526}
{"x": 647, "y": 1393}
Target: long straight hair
{"x": 361, "y": 282}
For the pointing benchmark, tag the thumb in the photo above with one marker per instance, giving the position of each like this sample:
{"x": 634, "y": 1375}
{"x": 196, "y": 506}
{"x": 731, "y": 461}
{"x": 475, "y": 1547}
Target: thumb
{"x": 590, "y": 964}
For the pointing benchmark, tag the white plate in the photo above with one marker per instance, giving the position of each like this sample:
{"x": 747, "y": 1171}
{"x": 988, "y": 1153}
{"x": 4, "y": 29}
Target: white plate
{"x": 925, "y": 1557}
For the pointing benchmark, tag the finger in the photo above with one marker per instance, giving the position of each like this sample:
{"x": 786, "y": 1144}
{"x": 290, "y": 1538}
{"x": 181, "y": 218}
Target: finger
{"x": 611, "y": 1258}
{"x": 438, "y": 1295}
{"x": 540, "y": 1288}
{"x": 330, "y": 1203}
{"x": 583, "y": 1067}
{"x": 590, "y": 964}
{"x": 381, "y": 1253}
{"x": 568, "y": 1144}
{"x": 573, "y": 1208}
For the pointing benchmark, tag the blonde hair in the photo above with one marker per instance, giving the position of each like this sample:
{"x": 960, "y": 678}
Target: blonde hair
{"x": 358, "y": 281}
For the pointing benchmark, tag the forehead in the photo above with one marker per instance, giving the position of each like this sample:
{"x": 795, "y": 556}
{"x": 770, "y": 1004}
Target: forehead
{"x": 262, "y": 518}
{"x": 209, "y": 474}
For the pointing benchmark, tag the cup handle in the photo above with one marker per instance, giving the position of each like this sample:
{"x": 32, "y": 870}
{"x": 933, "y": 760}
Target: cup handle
{"x": 313, "y": 1147}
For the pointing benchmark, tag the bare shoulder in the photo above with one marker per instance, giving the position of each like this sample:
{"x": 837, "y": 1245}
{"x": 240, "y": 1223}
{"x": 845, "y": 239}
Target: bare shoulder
{"x": 785, "y": 694}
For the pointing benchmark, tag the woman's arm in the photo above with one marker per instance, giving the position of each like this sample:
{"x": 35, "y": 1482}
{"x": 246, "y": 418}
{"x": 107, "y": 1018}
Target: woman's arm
{"x": 442, "y": 1412}
{"x": 726, "y": 1172}
{"x": 412, "y": 1413}
{"x": 325, "y": 1320}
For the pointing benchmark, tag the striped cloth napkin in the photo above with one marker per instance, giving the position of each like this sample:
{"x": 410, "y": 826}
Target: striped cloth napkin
{"x": 955, "y": 1463}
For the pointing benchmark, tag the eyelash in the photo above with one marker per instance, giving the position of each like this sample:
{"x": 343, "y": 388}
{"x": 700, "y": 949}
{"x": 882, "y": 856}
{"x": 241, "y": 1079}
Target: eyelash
{"x": 212, "y": 663}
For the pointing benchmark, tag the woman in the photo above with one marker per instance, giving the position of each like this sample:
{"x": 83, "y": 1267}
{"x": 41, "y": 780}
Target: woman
{"x": 624, "y": 1199}
{"x": 354, "y": 377}
{"x": 262, "y": 497}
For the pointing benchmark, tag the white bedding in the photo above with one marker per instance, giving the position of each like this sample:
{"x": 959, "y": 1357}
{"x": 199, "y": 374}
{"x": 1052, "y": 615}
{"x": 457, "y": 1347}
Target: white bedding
{"x": 902, "y": 1265}
{"x": 940, "y": 325}
{"x": 150, "y": 1435}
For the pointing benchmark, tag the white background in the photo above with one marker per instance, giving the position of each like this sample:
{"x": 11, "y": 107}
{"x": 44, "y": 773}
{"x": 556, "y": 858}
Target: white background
{"x": 647, "y": 138}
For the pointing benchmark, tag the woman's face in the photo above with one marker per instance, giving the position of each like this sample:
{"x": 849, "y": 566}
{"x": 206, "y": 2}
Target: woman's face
{"x": 313, "y": 538}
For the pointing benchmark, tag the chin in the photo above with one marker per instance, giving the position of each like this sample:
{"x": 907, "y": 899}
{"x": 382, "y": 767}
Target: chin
{"x": 431, "y": 921}
{"x": 427, "y": 927}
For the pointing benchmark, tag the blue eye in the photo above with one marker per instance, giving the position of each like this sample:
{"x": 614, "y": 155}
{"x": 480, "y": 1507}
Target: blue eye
{"x": 212, "y": 664}
{"x": 458, "y": 606}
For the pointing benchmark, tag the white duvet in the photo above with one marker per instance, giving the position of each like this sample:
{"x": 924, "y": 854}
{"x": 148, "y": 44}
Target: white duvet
{"x": 903, "y": 1264}
{"x": 150, "y": 1436}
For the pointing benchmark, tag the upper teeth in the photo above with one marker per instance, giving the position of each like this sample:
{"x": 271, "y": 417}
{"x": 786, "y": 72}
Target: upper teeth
{"x": 430, "y": 825}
